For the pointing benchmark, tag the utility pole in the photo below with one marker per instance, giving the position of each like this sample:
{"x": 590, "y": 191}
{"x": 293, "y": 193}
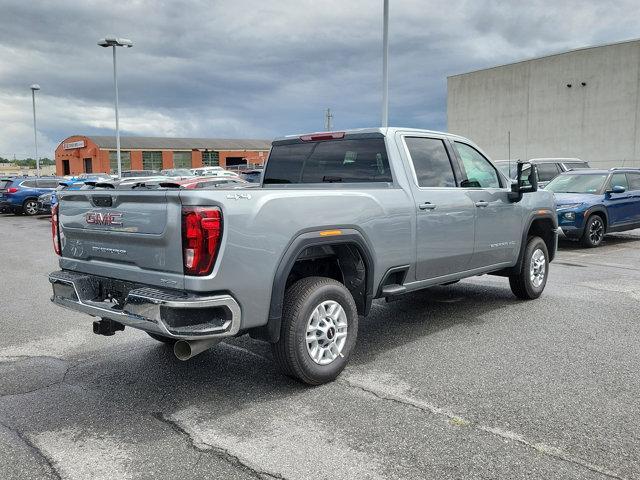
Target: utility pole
{"x": 34, "y": 88}
{"x": 328, "y": 116}
{"x": 385, "y": 65}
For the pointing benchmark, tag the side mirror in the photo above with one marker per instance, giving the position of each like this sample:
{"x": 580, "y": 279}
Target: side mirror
{"x": 618, "y": 189}
{"x": 526, "y": 181}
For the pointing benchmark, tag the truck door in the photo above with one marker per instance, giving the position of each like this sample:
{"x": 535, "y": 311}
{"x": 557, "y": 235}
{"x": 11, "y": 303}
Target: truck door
{"x": 445, "y": 214}
{"x": 498, "y": 220}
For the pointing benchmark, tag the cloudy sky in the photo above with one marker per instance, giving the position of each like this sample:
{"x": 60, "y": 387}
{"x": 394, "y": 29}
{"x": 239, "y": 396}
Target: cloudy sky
{"x": 261, "y": 68}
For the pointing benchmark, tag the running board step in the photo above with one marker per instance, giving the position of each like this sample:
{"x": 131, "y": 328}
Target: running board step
{"x": 393, "y": 290}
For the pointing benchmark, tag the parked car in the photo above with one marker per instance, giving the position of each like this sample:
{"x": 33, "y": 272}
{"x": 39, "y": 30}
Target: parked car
{"x": 206, "y": 171}
{"x": 44, "y": 203}
{"x": 252, "y": 176}
{"x": 4, "y": 181}
{"x": 139, "y": 173}
{"x": 592, "y": 203}
{"x": 214, "y": 172}
{"x": 213, "y": 182}
{"x": 548, "y": 168}
{"x": 179, "y": 173}
{"x": 340, "y": 218}
{"x": 20, "y": 194}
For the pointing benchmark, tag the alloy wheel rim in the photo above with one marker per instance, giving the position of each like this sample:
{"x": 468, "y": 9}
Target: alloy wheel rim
{"x": 538, "y": 267}
{"x": 326, "y": 332}
{"x": 31, "y": 208}
{"x": 596, "y": 230}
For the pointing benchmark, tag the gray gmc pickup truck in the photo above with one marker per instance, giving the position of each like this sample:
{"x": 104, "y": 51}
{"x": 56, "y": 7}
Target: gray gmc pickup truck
{"x": 341, "y": 218}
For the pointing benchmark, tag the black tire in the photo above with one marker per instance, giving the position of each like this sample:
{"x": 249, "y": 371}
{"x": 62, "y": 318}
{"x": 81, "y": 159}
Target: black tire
{"x": 522, "y": 285}
{"x": 30, "y": 207}
{"x": 160, "y": 338}
{"x": 594, "y": 230}
{"x": 291, "y": 352}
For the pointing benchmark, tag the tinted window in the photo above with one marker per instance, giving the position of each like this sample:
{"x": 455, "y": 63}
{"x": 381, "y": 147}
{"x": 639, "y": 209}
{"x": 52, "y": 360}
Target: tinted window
{"x": 47, "y": 183}
{"x": 430, "y": 162}
{"x": 28, "y": 184}
{"x": 619, "y": 179}
{"x": 5, "y": 184}
{"x": 479, "y": 172}
{"x": 547, "y": 171}
{"x": 345, "y": 161}
{"x": 634, "y": 181}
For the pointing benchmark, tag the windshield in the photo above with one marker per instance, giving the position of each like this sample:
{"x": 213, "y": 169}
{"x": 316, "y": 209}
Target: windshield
{"x": 577, "y": 183}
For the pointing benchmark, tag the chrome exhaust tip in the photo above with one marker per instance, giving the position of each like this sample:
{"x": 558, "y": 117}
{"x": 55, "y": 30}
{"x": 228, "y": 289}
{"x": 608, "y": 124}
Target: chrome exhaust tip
{"x": 186, "y": 349}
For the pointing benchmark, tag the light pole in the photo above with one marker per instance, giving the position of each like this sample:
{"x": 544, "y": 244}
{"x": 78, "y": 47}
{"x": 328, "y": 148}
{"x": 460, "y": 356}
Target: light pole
{"x": 114, "y": 42}
{"x": 385, "y": 65}
{"x": 33, "y": 88}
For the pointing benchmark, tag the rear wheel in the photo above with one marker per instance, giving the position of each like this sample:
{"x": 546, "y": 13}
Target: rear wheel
{"x": 530, "y": 282}
{"x": 30, "y": 207}
{"x": 318, "y": 332}
{"x": 594, "y": 231}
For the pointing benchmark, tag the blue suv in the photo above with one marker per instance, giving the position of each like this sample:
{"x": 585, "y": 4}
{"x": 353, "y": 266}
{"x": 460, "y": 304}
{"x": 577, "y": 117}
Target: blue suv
{"x": 20, "y": 194}
{"x": 591, "y": 203}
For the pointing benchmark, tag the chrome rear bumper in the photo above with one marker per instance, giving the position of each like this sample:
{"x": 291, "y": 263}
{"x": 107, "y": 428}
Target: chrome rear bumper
{"x": 164, "y": 312}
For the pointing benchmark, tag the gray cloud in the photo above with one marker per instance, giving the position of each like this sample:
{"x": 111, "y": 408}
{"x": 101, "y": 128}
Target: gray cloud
{"x": 259, "y": 69}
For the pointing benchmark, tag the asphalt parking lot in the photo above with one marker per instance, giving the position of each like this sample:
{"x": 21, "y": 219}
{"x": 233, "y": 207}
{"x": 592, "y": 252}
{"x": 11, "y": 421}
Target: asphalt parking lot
{"x": 454, "y": 382}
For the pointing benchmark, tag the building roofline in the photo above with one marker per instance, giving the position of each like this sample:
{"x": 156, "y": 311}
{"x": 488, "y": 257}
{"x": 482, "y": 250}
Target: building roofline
{"x": 540, "y": 57}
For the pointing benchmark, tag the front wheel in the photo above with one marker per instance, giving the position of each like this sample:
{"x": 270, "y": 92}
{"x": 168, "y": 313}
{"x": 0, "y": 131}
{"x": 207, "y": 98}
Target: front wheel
{"x": 593, "y": 231}
{"x": 530, "y": 282}
{"x": 318, "y": 332}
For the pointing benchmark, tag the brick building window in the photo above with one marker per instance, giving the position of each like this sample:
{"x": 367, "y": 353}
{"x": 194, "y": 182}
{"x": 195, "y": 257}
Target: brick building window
{"x": 210, "y": 159}
{"x": 125, "y": 159}
{"x": 152, "y": 160}
{"x": 181, "y": 159}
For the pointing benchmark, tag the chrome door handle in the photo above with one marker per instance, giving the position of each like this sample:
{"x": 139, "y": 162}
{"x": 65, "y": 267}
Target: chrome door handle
{"x": 482, "y": 204}
{"x": 427, "y": 206}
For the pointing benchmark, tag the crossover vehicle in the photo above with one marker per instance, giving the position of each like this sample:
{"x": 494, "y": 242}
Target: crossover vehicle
{"x": 592, "y": 203}
{"x": 178, "y": 173}
{"x": 339, "y": 219}
{"x": 20, "y": 194}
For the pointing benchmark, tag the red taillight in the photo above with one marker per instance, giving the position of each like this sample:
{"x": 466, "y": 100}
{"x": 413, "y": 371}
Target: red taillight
{"x": 11, "y": 190}
{"x": 201, "y": 232}
{"x": 55, "y": 230}
{"x": 314, "y": 137}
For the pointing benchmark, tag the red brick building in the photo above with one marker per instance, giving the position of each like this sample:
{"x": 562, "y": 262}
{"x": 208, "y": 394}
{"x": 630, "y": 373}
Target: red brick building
{"x": 97, "y": 154}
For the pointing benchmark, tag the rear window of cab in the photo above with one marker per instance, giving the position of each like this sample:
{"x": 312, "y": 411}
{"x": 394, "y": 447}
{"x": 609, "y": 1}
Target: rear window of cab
{"x": 346, "y": 160}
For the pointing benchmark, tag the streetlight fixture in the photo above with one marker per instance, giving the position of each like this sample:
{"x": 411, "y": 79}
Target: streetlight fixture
{"x": 33, "y": 88}
{"x": 112, "y": 41}
{"x": 385, "y": 65}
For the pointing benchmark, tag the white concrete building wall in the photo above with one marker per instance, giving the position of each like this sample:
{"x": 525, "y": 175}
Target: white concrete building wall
{"x": 598, "y": 122}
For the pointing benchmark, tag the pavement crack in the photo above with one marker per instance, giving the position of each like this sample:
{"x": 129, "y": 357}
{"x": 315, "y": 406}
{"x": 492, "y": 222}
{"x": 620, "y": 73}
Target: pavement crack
{"x": 463, "y": 422}
{"x": 48, "y": 461}
{"x": 221, "y": 452}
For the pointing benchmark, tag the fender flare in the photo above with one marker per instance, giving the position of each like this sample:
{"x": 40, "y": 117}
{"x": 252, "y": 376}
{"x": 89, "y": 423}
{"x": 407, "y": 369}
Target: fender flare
{"x": 596, "y": 209}
{"x": 349, "y": 236}
{"x": 538, "y": 215}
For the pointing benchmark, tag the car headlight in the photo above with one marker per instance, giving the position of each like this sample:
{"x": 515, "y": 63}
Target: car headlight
{"x": 569, "y": 206}
{"x": 569, "y": 215}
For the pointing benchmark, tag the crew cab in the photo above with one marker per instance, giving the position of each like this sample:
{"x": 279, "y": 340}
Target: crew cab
{"x": 339, "y": 219}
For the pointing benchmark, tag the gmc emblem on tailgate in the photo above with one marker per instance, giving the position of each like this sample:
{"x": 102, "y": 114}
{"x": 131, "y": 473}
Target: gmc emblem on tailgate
{"x": 103, "y": 218}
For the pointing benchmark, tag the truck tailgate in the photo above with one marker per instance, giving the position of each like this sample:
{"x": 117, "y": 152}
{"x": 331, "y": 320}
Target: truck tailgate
{"x": 125, "y": 234}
